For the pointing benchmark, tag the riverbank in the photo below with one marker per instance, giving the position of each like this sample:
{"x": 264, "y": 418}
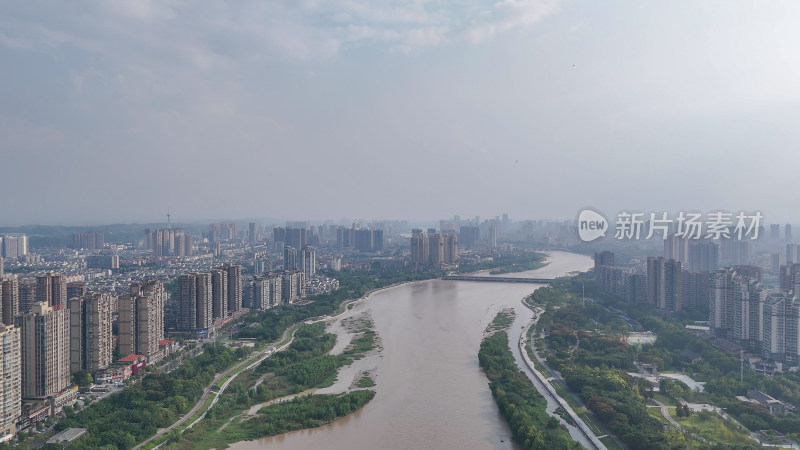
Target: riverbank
{"x": 297, "y": 389}
{"x": 431, "y": 391}
{"x": 575, "y": 419}
{"x": 522, "y": 407}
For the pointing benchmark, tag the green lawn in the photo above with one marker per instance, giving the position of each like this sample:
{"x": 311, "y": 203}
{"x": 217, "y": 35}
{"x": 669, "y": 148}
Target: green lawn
{"x": 656, "y": 412}
{"x": 665, "y": 399}
{"x": 713, "y": 427}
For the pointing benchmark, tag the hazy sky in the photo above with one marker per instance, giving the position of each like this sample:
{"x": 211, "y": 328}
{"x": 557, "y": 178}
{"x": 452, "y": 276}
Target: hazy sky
{"x": 115, "y": 111}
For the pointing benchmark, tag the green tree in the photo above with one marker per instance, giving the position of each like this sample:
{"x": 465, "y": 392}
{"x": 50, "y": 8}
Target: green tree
{"x": 82, "y": 378}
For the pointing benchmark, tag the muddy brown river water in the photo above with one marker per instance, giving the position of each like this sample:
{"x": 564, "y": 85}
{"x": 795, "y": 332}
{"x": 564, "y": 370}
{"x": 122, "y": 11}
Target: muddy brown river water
{"x": 431, "y": 393}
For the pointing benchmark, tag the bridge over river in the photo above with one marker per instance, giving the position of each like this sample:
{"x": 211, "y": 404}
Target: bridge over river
{"x": 499, "y": 279}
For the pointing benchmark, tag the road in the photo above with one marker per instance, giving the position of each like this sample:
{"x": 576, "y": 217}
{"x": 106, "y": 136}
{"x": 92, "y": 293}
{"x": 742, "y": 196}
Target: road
{"x": 253, "y": 360}
{"x": 589, "y": 436}
{"x": 665, "y": 412}
{"x": 252, "y": 366}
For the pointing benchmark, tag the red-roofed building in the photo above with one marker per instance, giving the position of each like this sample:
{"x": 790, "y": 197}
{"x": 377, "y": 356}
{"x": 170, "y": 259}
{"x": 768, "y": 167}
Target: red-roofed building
{"x": 131, "y": 358}
{"x": 136, "y": 363}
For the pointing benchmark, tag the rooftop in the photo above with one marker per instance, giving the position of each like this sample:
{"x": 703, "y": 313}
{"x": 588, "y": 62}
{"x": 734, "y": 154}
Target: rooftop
{"x": 131, "y": 358}
{"x": 68, "y": 435}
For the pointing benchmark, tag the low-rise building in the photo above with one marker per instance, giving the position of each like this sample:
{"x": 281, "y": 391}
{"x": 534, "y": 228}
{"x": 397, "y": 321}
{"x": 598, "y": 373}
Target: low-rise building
{"x": 67, "y": 436}
{"x": 773, "y": 405}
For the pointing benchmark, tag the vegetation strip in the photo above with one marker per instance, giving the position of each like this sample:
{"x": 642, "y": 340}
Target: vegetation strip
{"x": 521, "y": 405}
{"x": 280, "y": 383}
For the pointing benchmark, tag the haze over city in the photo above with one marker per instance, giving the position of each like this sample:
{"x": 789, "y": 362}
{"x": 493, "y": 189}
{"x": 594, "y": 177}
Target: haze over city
{"x": 350, "y": 224}
{"x": 120, "y": 111}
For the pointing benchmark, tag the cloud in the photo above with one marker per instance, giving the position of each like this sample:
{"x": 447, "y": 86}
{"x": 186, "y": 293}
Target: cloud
{"x": 204, "y": 35}
{"x": 507, "y": 15}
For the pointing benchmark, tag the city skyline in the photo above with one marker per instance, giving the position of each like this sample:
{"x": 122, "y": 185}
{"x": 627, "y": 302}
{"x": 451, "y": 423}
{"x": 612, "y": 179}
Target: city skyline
{"x": 513, "y": 223}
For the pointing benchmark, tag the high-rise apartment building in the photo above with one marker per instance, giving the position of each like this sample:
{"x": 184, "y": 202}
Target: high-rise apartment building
{"x": 450, "y": 248}
{"x": 90, "y": 332}
{"x": 141, "y": 319}
{"x": 736, "y": 307}
{"x": 361, "y": 239}
{"x": 296, "y": 237}
{"x": 780, "y": 320}
{"x": 703, "y": 256}
{"x": 10, "y": 381}
{"x": 222, "y": 231}
{"x": 611, "y": 279}
{"x": 733, "y": 252}
{"x": 252, "y": 233}
{"x": 172, "y": 242}
{"x": 369, "y": 240}
{"x": 51, "y": 289}
{"x": 492, "y": 238}
{"x": 108, "y": 261}
{"x": 792, "y": 253}
{"x": 9, "y": 294}
{"x": 635, "y": 288}
{"x": 76, "y": 289}
{"x": 45, "y": 358}
{"x": 436, "y": 249}
{"x": 267, "y": 292}
{"x": 234, "y": 286}
{"x": 219, "y": 293}
{"x": 775, "y": 263}
{"x": 469, "y": 236}
{"x": 88, "y": 241}
{"x": 787, "y": 232}
{"x": 195, "y": 302}
{"x": 696, "y": 288}
{"x": 677, "y": 248}
{"x": 775, "y": 231}
{"x": 420, "y": 249}
{"x": 13, "y": 245}
{"x": 27, "y": 296}
{"x": 291, "y": 260}
{"x": 346, "y": 237}
{"x": 294, "y": 286}
{"x": 308, "y": 261}
{"x": 602, "y": 258}
{"x": 279, "y": 236}
{"x": 664, "y": 283}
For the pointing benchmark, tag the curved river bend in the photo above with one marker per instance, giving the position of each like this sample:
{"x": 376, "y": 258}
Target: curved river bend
{"x": 431, "y": 393}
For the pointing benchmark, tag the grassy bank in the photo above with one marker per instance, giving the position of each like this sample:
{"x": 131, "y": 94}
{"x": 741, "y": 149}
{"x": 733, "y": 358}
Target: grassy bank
{"x": 305, "y": 365}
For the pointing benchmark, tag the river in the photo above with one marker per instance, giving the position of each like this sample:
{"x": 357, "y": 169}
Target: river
{"x": 431, "y": 392}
